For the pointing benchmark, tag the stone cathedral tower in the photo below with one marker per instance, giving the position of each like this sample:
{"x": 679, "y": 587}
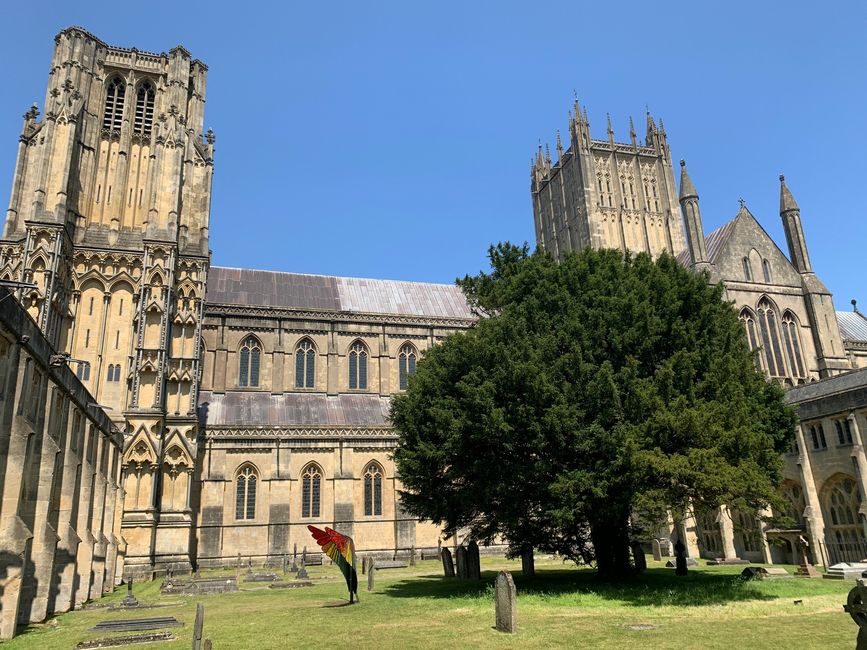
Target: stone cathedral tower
{"x": 109, "y": 219}
{"x": 606, "y": 194}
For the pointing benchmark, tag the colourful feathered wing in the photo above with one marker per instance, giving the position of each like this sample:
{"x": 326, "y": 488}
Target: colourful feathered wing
{"x": 341, "y": 549}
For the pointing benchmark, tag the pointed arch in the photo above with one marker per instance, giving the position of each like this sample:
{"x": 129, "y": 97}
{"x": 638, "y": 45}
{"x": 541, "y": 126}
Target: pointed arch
{"x": 406, "y": 360}
{"x": 358, "y": 354}
{"x": 176, "y": 454}
{"x": 112, "y": 115}
{"x": 144, "y": 108}
{"x": 140, "y": 450}
{"x": 311, "y": 490}
{"x": 249, "y": 358}
{"x": 373, "y": 478}
{"x": 246, "y": 487}
{"x": 841, "y": 501}
{"x": 770, "y": 335}
{"x": 792, "y": 341}
{"x": 305, "y": 363}
{"x": 750, "y": 321}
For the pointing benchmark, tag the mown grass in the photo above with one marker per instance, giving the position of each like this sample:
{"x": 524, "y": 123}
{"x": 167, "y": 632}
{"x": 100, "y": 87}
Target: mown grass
{"x": 562, "y": 606}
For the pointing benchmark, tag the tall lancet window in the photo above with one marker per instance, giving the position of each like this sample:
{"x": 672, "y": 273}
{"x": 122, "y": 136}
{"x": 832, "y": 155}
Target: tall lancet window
{"x": 771, "y": 338}
{"x": 305, "y": 364}
{"x": 749, "y": 321}
{"x": 357, "y": 366}
{"x": 245, "y": 493}
{"x": 112, "y": 117}
{"x": 406, "y": 364}
{"x": 311, "y": 483}
{"x": 793, "y": 345}
{"x": 372, "y": 490}
{"x": 144, "y": 109}
{"x": 248, "y": 366}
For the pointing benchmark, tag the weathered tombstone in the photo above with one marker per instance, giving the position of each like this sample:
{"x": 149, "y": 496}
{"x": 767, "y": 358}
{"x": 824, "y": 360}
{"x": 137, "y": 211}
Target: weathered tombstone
{"x": 528, "y": 563}
{"x": 505, "y": 605}
{"x": 129, "y": 600}
{"x": 448, "y": 563}
{"x": 363, "y": 565}
{"x": 412, "y": 556}
{"x": 856, "y": 607}
{"x": 302, "y": 572}
{"x": 657, "y": 551}
{"x": 806, "y": 568}
{"x": 638, "y": 557}
{"x": 207, "y": 645}
{"x": 680, "y": 559}
{"x": 304, "y": 556}
{"x": 474, "y": 567}
{"x": 461, "y": 557}
{"x": 371, "y": 572}
{"x": 294, "y": 568}
{"x": 197, "y": 628}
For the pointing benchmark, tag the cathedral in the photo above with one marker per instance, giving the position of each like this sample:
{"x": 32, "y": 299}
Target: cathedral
{"x": 159, "y": 413}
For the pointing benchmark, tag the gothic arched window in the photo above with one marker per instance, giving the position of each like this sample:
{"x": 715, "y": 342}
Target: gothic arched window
{"x": 794, "y": 496}
{"x": 770, "y": 338}
{"x": 357, "y": 366}
{"x": 144, "y": 109}
{"x": 248, "y": 366}
{"x": 83, "y": 371}
{"x": 311, "y": 486}
{"x": 842, "y": 503}
{"x": 245, "y": 493}
{"x": 793, "y": 345}
{"x": 406, "y": 364}
{"x": 748, "y": 269}
{"x": 372, "y": 490}
{"x": 112, "y": 116}
{"x": 766, "y": 270}
{"x": 305, "y": 364}
{"x": 749, "y": 321}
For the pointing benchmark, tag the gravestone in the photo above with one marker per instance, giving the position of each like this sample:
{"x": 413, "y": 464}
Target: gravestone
{"x": 528, "y": 563}
{"x": 461, "y": 556}
{"x": 638, "y": 557}
{"x": 207, "y": 645}
{"x": 680, "y": 559}
{"x": 474, "y": 567}
{"x": 302, "y": 572}
{"x": 806, "y": 568}
{"x": 197, "y": 628}
{"x": 505, "y": 604}
{"x": 448, "y": 563}
{"x": 129, "y": 600}
{"x": 412, "y": 556}
{"x": 390, "y": 564}
{"x": 856, "y": 607}
{"x": 657, "y": 551}
{"x": 127, "y": 639}
{"x": 371, "y": 572}
{"x": 137, "y": 624}
{"x": 363, "y": 565}
{"x": 304, "y": 555}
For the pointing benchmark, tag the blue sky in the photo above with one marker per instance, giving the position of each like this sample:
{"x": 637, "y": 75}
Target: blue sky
{"x": 393, "y": 140}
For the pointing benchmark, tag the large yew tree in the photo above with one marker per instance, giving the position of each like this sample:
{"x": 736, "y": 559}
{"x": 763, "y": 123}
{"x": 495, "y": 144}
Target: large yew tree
{"x": 590, "y": 390}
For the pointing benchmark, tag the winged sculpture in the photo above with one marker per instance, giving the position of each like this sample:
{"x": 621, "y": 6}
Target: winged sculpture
{"x": 341, "y": 549}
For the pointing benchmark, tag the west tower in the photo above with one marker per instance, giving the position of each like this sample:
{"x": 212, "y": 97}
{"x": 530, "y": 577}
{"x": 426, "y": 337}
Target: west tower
{"x": 606, "y": 194}
{"x": 108, "y": 217}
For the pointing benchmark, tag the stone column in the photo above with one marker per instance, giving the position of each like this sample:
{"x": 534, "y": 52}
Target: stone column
{"x": 813, "y": 514}
{"x": 84, "y": 552}
{"x": 61, "y": 597}
{"x": 766, "y": 549}
{"x": 861, "y": 465}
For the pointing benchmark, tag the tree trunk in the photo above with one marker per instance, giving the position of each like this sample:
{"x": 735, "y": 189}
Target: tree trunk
{"x": 611, "y": 546}
{"x": 528, "y": 568}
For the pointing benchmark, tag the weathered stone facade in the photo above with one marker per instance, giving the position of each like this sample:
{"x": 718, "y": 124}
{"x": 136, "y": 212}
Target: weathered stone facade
{"x": 60, "y": 457}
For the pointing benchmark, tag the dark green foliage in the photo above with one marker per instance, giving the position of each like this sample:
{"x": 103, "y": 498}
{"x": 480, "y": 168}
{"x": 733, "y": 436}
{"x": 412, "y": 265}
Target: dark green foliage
{"x": 593, "y": 388}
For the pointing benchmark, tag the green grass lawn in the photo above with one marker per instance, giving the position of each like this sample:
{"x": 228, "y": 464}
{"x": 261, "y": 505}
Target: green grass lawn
{"x": 563, "y": 606}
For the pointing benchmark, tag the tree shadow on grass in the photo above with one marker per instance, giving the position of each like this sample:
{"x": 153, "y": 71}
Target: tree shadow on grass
{"x": 655, "y": 587}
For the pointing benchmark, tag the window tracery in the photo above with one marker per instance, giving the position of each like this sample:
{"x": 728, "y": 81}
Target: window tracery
{"x": 245, "y": 493}
{"x": 311, "y": 485}
{"x": 305, "y": 364}
{"x": 373, "y": 490}
{"x": 248, "y": 366}
{"x": 406, "y": 364}
{"x": 358, "y": 366}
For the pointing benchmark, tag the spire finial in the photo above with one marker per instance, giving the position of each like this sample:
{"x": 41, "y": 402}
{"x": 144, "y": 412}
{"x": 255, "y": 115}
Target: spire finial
{"x": 742, "y": 203}
{"x": 687, "y": 189}
{"x": 559, "y": 146}
{"x": 855, "y": 306}
{"x": 787, "y": 201}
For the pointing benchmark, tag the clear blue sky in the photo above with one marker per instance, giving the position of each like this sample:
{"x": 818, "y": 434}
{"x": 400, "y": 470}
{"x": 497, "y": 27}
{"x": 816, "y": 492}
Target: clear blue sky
{"x": 393, "y": 140}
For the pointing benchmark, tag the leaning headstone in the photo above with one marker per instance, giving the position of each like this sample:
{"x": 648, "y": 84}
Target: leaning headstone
{"x": 197, "y": 628}
{"x": 474, "y": 567}
{"x": 302, "y": 572}
{"x": 506, "y": 608}
{"x": 448, "y": 563}
{"x": 856, "y": 607}
{"x": 638, "y": 557}
{"x": 129, "y": 600}
{"x": 657, "y": 551}
{"x": 680, "y": 559}
{"x": 371, "y": 572}
{"x": 461, "y": 556}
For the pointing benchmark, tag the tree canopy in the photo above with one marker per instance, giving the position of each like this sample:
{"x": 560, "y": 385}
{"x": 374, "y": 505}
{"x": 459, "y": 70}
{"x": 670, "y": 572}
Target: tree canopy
{"x": 591, "y": 389}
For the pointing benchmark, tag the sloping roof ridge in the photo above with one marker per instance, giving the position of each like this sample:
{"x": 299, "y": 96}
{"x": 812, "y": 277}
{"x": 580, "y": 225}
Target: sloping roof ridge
{"x": 716, "y": 239}
{"x": 336, "y": 277}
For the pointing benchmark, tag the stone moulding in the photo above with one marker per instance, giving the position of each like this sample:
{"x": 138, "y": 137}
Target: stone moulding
{"x": 301, "y": 432}
{"x": 216, "y": 309}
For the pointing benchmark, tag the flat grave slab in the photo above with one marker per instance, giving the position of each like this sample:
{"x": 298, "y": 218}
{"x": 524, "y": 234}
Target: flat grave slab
{"x": 846, "y": 571}
{"x": 137, "y": 624}
{"x": 390, "y": 564}
{"x": 290, "y": 585}
{"x": 261, "y": 577}
{"x": 200, "y": 586}
{"x": 121, "y": 641}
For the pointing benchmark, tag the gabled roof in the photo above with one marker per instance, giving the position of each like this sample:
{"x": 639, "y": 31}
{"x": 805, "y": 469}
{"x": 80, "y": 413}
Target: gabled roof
{"x": 853, "y": 325}
{"x": 714, "y": 242}
{"x": 245, "y": 287}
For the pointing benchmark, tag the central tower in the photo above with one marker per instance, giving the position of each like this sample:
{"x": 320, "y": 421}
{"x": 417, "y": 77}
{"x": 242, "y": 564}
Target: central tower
{"x": 606, "y": 194}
